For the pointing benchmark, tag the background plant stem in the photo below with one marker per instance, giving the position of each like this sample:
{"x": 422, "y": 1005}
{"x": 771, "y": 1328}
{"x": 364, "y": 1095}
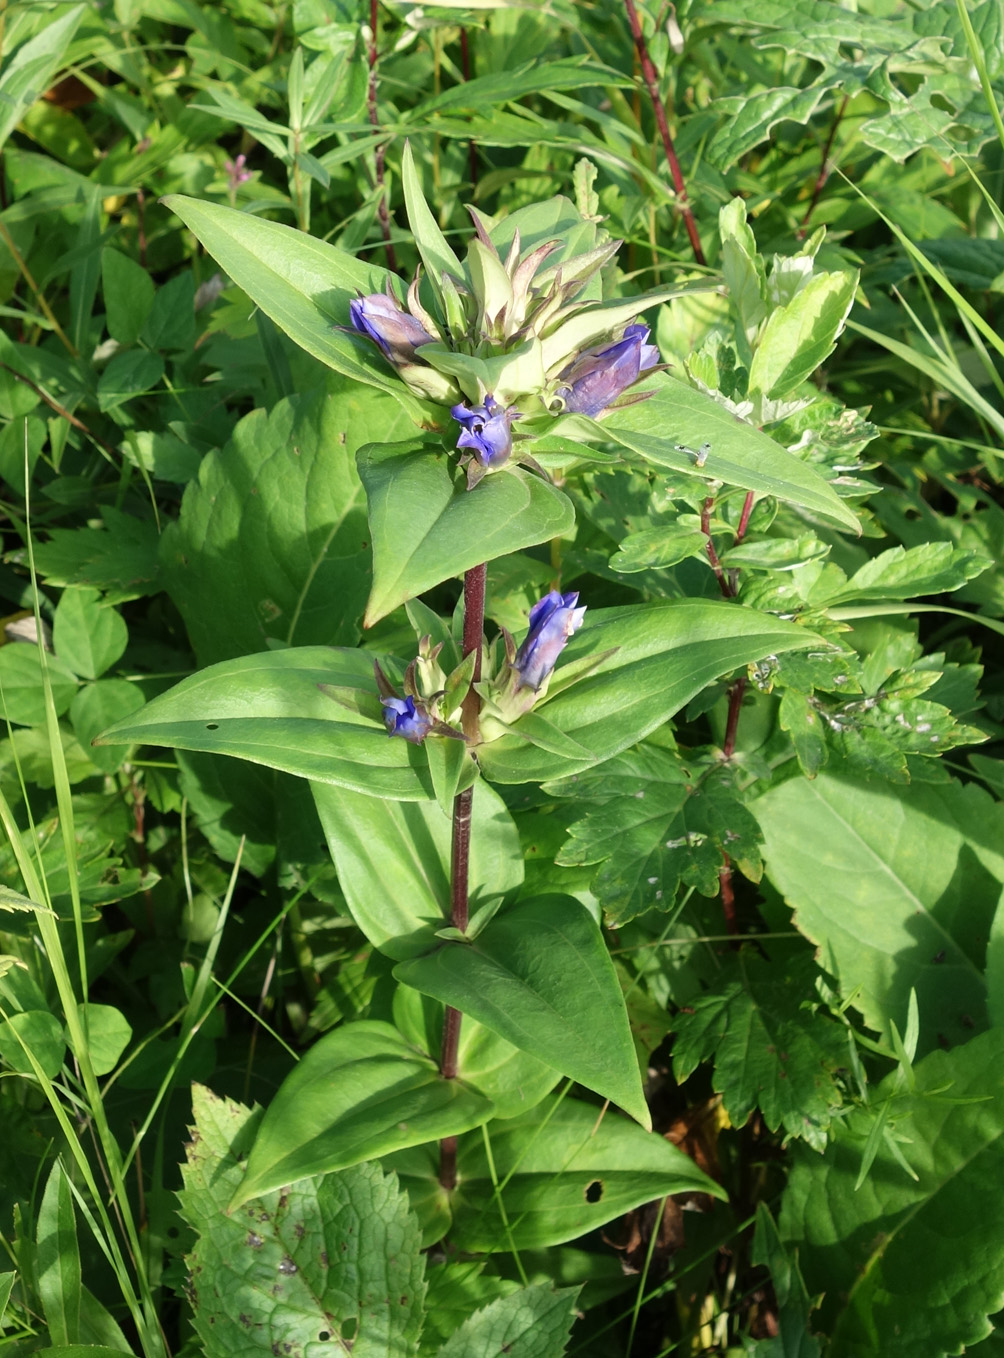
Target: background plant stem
{"x": 474, "y": 626}
{"x": 652, "y": 82}
{"x": 371, "y": 105}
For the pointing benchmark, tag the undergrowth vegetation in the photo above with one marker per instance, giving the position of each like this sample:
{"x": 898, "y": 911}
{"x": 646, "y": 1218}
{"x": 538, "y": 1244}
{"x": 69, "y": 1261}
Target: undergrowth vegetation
{"x": 501, "y": 668}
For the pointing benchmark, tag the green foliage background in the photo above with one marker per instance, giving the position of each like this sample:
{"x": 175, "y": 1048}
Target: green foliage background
{"x": 756, "y": 830}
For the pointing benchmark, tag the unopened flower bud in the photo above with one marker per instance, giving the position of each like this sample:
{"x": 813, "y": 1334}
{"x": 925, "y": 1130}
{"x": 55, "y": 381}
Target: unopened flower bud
{"x": 552, "y": 621}
{"x": 597, "y": 377}
{"x": 384, "y": 320}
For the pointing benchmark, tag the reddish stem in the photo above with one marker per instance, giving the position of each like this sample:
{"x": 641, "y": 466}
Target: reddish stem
{"x": 371, "y": 103}
{"x": 716, "y": 565}
{"x": 652, "y": 82}
{"x": 824, "y": 167}
{"x": 474, "y": 626}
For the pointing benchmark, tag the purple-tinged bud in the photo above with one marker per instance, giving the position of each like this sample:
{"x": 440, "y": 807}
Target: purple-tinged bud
{"x": 552, "y": 621}
{"x": 384, "y": 320}
{"x": 403, "y": 717}
{"x": 487, "y": 430}
{"x": 597, "y": 377}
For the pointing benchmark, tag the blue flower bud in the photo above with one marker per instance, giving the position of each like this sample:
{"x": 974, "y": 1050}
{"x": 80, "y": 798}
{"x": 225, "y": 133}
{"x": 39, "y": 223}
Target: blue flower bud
{"x": 552, "y": 621}
{"x": 403, "y": 718}
{"x": 487, "y": 429}
{"x": 597, "y": 377}
{"x": 383, "y": 320}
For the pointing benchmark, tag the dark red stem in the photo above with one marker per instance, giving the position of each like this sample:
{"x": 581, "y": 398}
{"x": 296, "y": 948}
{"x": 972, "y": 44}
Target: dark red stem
{"x": 474, "y": 626}
{"x": 383, "y": 213}
{"x": 716, "y": 565}
{"x": 652, "y": 82}
{"x": 824, "y": 166}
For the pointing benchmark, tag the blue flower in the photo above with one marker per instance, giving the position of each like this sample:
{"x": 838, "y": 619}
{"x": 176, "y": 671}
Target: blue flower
{"x": 552, "y": 622}
{"x": 597, "y": 377}
{"x": 403, "y": 718}
{"x": 384, "y": 321}
{"x": 487, "y": 429}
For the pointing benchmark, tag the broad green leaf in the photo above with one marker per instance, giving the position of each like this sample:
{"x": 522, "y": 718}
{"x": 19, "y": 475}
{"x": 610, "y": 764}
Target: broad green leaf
{"x": 28, "y": 73}
{"x": 769, "y": 1051}
{"x": 532, "y": 1323}
{"x": 331, "y": 1262}
{"x": 897, "y": 886}
{"x": 657, "y": 657}
{"x": 360, "y": 1092}
{"x": 271, "y": 540}
{"x": 269, "y": 708}
{"x": 569, "y": 1014}
{"x": 740, "y": 455}
{"x": 128, "y": 292}
{"x": 58, "y": 1259}
{"x": 94, "y": 708}
{"x": 88, "y": 636}
{"x": 906, "y": 572}
{"x": 303, "y": 284}
{"x": 393, "y": 862}
{"x": 657, "y": 547}
{"x": 798, "y": 337}
{"x": 427, "y": 527}
{"x": 910, "y": 1266}
{"x": 127, "y": 375}
{"x": 22, "y": 697}
{"x": 107, "y": 1032}
{"x": 565, "y": 1169}
{"x": 748, "y": 119}
{"x": 39, "y": 1031}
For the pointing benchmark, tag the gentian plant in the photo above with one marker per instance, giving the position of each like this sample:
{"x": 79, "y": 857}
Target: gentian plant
{"x": 518, "y": 374}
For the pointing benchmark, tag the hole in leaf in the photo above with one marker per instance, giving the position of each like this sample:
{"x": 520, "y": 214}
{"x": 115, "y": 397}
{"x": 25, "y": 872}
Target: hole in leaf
{"x": 350, "y": 1327}
{"x": 324, "y": 1336}
{"x": 594, "y": 1191}
{"x": 212, "y": 726}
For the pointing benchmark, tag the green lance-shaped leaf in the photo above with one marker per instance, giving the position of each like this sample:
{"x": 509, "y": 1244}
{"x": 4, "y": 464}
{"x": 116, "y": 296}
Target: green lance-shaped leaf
{"x": 909, "y": 1265}
{"x": 393, "y": 861}
{"x": 58, "y": 1259}
{"x": 359, "y": 1092}
{"x": 270, "y": 709}
{"x": 563, "y": 1169}
{"x": 327, "y": 1265}
{"x": 739, "y": 455}
{"x": 649, "y": 661}
{"x": 303, "y": 284}
{"x": 29, "y": 71}
{"x": 427, "y": 527}
{"x": 569, "y": 1014}
{"x": 798, "y": 337}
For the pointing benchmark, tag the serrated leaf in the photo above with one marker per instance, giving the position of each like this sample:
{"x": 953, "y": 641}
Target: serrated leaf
{"x": 910, "y": 1266}
{"x": 769, "y": 1052}
{"x": 427, "y": 527}
{"x": 571, "y": 1016}
{"x": 332, "y": 1260}
{"x": 359, "y": 1092}
{"x": 534, "y": 1322}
